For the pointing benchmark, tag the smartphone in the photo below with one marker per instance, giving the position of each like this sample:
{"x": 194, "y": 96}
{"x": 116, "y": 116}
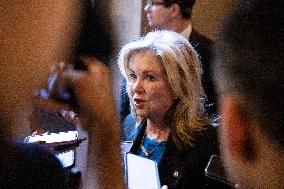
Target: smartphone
{"x": 215, "y": 170}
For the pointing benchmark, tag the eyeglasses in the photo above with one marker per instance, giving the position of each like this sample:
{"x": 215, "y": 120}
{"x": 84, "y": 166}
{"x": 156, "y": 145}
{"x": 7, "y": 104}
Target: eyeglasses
{"x": 153, "y": 3}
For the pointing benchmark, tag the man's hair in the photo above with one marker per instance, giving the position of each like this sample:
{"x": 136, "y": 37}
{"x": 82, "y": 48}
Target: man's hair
{"x": 96, "y": 36}
{"x": 249, "y": 63}
{"x": 185, "y": 6}
{"x": 186, "y": 117}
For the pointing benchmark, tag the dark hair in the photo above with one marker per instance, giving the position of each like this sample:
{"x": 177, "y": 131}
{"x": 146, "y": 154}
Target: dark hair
{"x": 95, "y": 37}
{"x": 185, "y": 6}
{"x": 250, "y": 54}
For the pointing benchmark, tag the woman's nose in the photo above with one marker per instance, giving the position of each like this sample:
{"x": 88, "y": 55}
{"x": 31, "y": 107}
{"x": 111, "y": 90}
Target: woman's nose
{"x": 137, "y": 87}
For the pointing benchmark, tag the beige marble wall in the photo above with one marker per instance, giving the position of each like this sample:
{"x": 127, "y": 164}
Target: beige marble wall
{"x": 126, "y": 17}
{"x": 207, "y": 15}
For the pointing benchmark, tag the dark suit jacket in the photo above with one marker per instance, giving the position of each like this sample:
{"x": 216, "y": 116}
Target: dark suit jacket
{"x": 203, "y": 46}
{"x": 184, "y": 168}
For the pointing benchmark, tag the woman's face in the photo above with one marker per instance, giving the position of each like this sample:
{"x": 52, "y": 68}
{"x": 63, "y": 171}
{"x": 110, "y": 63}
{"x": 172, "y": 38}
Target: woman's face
{"x": 149, "y": 87}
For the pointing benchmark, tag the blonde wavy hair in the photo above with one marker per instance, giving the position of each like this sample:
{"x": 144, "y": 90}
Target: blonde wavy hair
{"x": 186, "y": 118}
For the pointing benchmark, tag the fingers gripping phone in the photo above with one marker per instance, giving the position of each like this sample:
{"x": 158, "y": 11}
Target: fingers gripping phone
{"x": 215, "y": 170}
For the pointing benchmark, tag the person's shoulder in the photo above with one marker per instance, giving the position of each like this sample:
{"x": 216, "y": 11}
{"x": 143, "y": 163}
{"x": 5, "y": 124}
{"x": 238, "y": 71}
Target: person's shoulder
{"x": 203, "y": 45}
{"x": 197, "y": 37}
{"x": 29, "y": 166}
{"x": 206, "y": 141}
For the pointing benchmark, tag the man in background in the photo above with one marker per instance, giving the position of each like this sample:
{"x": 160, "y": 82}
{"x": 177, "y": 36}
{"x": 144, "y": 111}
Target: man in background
{"x": 175, "y": 15}
{"x": 249, "y": 74}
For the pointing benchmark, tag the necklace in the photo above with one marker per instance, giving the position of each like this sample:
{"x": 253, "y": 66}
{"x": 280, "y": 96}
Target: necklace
{"x": 145, "y": 152}
{"x": 149, "y": 152}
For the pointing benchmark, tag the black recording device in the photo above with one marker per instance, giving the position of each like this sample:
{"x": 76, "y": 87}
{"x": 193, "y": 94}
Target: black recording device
{"x": 216, "y": 171}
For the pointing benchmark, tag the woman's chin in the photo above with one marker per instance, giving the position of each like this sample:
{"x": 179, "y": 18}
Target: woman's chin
{"x": 141, "y": 113}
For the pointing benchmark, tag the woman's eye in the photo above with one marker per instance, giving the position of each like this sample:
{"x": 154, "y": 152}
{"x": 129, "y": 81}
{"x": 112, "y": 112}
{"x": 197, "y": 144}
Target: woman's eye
{"x": 132, "y": 76}
{"x": 150, "y": 78}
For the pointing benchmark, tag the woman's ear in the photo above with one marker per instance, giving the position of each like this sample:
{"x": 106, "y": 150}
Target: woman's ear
{"x": 237, "y": 128}
{"x": 175, "y": 10}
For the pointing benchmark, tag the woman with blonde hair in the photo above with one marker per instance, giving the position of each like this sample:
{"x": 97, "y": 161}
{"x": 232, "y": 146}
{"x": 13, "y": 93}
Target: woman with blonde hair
{"x": 163, "y": 75}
